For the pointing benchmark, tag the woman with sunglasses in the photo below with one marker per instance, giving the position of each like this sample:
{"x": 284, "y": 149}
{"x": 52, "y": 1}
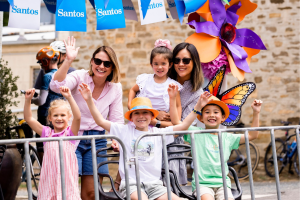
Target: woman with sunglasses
{"x": 187, "y": 71}
{"x": 103, "y": 78}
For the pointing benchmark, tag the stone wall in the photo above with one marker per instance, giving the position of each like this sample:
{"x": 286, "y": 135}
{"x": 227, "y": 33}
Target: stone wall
{"x": 275, "y": 71}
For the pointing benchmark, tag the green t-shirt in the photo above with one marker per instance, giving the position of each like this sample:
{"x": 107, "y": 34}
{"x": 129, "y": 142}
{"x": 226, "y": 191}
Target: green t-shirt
{"x": 208, "y": 156}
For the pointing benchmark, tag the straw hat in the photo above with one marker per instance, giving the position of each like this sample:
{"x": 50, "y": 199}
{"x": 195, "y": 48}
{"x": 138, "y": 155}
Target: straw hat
{"x": 141, "y": 103}
{"x": 216, "y": 101}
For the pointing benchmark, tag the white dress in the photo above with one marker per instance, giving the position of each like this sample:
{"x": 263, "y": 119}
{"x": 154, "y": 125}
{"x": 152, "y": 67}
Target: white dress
{"x": 156, "y": 92}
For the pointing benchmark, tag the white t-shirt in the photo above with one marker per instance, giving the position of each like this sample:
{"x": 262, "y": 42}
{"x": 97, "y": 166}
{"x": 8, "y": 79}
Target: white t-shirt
{"x": 156, "y": 92}
{"x": 149, "y": 148}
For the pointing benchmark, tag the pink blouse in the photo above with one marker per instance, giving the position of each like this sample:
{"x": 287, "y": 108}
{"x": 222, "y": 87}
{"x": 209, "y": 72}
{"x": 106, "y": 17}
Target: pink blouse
{"x": 48, "y": 132}
{"x": 109, "y": 103}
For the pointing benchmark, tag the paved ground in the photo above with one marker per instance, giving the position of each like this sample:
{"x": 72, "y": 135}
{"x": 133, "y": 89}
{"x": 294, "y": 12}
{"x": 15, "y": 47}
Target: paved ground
{"x": 263, "y": 190}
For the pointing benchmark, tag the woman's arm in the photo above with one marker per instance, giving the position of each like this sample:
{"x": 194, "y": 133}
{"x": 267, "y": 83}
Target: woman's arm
{"x": 65, "y": 91}
{"x": 33, "y": 123}
{"x": 41, "y": 99}
{"x": 72, "y": 52}
{"x": 173, "y": 93}
{"x": 132, "y": 94}
{"x": 256, "y": 106}
{"x": 87, "y": 96}
{"x": 178, "y": 105}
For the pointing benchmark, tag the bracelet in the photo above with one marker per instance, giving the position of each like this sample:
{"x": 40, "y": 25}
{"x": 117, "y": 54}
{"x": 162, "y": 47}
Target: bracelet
{"x": 197, "y": 112}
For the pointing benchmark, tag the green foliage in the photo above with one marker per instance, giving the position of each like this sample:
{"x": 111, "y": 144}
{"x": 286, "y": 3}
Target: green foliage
{"x": 8, "y": 94}
{"x": 5, "y": 18}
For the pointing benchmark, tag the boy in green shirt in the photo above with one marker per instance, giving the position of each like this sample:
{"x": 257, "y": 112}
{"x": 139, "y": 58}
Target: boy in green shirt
{"x": 212, "y": 115}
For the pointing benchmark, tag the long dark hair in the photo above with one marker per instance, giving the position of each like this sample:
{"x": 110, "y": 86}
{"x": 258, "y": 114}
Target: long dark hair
{"x": 197, "y": 77}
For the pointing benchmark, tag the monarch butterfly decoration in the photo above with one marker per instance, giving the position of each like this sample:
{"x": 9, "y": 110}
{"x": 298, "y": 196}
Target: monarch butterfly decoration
{"x": 234, "y": 97}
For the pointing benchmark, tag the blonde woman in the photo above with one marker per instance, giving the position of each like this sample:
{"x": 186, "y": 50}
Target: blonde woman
{"x": 103, "y": 78}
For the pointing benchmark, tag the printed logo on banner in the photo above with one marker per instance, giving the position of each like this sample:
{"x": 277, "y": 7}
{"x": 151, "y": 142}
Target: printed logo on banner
{"x": 110, "y": 17}
{"x": 25, "y": 14}
{"x": 129, "y": 10}
{"x": 70, "y": 15}
{"x": 156, "y": 12}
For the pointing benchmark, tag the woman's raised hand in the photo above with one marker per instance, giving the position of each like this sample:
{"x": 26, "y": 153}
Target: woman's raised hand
{"x": 72, "y": 51}
{"x": 65, "y": 91}
{"x": 29, "y": 93}
{"x": 85, "y": 91}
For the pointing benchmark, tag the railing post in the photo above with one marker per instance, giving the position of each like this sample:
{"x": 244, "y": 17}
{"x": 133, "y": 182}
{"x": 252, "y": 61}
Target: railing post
{"x": 28, "y": 177}
{"x": 249, "y": 165}
{"x": 275, "y": 164}
{"x": 137, "y": 169}
{"x": 194, "y": 155}
{"x": 166, "y": 166}
{"x": 62, "y": 169}
{"x": 222, "y": 165}
{"x": 95, "y": 170}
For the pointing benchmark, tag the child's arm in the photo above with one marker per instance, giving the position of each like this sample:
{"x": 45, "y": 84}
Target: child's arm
{"x": 87, "y": 96}
{"x": 256, "y": 106}
{"x": 132, "y": 94}
{"x": 173, "y": 93}
{"x": 202, "y": 101}
{"x": 33, "y": 123}
{"x": 65, "y": 91}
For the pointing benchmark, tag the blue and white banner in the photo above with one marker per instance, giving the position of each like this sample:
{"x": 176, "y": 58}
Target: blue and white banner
{"x": 193, "y": 5}
{"x": 129, "y": 10}
{"x": 4, "y": 6}
{"x": 25, "y": 14}
{"x": 110, "y": 16}
{"x": 70, "y": 15}
{"x": 51, "y": 5}
{"x": 155, "y": 12}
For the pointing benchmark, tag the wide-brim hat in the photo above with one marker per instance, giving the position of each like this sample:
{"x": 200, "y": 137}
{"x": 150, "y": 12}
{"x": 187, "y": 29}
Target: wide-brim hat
{"x": 141, "y": 103}
{"x": 216, "y": 101}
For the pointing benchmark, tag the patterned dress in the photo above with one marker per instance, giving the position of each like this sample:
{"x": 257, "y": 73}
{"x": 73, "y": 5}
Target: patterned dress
{"x": 50, "y": 181}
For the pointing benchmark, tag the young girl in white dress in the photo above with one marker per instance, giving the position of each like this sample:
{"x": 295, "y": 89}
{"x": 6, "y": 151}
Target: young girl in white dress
{"x": 155, "y": 86}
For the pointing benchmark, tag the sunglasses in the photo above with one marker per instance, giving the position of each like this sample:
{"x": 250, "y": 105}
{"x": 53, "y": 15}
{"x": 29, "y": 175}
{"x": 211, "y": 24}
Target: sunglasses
{"x": 106, "y": 64}
{"x": 185, "y": 61}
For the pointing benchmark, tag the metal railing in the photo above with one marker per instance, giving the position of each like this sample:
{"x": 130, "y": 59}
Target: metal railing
{"x": 219, "y": 131}
{"x": 61, "y": 158}
{"x": 163, "y": 135}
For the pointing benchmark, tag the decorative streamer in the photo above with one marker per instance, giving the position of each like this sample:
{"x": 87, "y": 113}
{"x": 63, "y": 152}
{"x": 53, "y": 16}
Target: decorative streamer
{"x": 70, "y": 15}
{"x": 112, "y": 13}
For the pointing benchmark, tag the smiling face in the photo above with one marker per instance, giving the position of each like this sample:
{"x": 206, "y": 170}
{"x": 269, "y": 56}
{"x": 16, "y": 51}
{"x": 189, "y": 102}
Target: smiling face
{"x": 160, "y": 65}
{"x": 100, "y": 71}
{"x": 212, "y": 116}
{"x": 141, "y": 119}
{"x": 184, "y": 70}
{"x": 59, "y": 117}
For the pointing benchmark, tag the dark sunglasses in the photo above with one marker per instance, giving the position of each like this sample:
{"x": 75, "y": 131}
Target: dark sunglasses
{"x": 106, "y": 64}
{"x": 185, "y": 61}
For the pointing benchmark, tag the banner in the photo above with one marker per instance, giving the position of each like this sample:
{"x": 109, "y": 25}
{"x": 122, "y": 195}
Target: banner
{"x": 110, "y": 16}
{"x": 129, "y": 10}
{"x": 70, "y": 15}
{"x": 192, "y": 5}
{"x": 155, "y": 12}
{"x": 25, "y": 14}
{"x": 51, "y": 5}
{"x": 4, "y": 6}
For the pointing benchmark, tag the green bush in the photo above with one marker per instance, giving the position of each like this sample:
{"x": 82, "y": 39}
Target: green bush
{"x": 8, "y": 94}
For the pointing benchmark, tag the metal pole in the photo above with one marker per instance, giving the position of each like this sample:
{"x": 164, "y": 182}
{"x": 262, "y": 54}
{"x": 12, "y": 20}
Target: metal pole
{"x": 166, "y": 167}
{"x": 137, "y": 168}
{"x": 28, "y": 177}
{"x": 222, "y": 165}
{"x": 275, "y": 164}
{"x": 298, "y": 145}
{"x": 194, "y": 155}
{"x": 94, "y": 159}
{"x": 249, "y": 165}
{"x": 62, "y": 169}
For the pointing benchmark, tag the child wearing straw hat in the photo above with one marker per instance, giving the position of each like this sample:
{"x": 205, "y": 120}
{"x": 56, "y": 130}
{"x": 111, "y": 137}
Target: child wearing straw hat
{"x": 212, "y": 115}
{"x": 141, "y": 113}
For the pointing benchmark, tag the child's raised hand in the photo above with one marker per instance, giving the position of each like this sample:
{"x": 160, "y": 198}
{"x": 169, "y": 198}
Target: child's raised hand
{"x": 85, "y": 91}
{"x": 65, "y": 91}
{"x": 204, "y": 99}
{"x": 256, "y": 106}
{"x": 173, "y": 90}
{"x": 29, "y": 94}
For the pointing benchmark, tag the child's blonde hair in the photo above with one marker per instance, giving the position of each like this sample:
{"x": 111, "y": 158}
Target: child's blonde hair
{"x": 58, "y": 103}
